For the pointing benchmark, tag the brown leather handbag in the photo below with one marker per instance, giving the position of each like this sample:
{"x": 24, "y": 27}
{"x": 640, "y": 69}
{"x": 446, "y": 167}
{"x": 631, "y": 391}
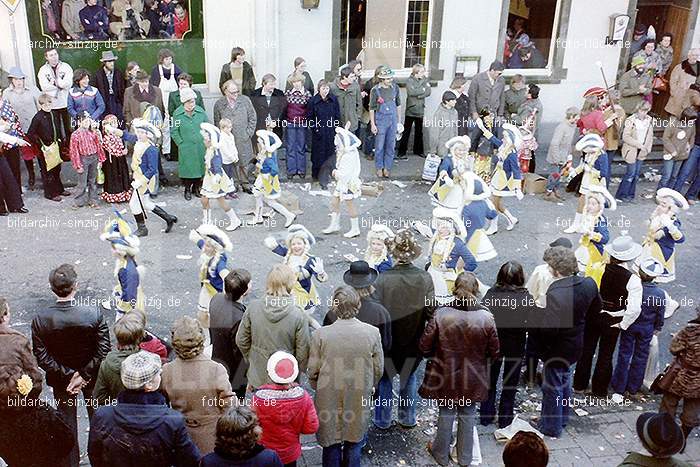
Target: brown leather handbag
{"x": 662, "y": 383}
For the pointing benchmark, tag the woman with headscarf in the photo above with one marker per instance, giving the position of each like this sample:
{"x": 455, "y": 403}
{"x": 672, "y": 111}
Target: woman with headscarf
{"x": 196, "y": 386}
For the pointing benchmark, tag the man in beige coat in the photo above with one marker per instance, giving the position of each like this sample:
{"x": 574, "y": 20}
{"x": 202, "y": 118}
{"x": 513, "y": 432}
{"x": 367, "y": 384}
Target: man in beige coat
{"x": 346, "y": 362}
{"x": 683, "y": 75}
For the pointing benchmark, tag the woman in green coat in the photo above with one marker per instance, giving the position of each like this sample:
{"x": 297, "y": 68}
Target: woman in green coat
{"x": 183, "y": 81}
{"x": 190, "y": 144}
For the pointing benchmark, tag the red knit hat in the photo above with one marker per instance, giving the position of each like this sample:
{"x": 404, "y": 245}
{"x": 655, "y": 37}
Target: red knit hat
{"x": 595, "y": 91}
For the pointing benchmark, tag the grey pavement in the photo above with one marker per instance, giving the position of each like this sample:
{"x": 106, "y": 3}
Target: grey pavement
{"x": 53, "y": 233}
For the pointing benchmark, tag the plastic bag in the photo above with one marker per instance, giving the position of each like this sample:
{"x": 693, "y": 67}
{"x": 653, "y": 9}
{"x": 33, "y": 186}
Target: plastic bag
{"x": 430, "y": 167}
{"x": 653, "y": 368}
{"x": 477, "y": 459}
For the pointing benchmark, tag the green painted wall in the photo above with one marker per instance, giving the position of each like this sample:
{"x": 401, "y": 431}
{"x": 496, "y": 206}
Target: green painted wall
{"x": 189, "y": 52}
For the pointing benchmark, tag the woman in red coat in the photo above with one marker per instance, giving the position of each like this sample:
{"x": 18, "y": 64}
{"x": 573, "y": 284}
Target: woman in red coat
{"x": 284, "y": 408}
{"x": 592, "y": 120}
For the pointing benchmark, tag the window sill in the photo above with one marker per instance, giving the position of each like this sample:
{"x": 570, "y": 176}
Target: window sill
{"x": 538, "y": 75}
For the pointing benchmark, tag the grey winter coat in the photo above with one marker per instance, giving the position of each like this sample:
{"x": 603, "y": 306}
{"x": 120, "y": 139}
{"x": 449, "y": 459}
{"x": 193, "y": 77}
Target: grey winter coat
{"x": 243, "y": 118}
{"x": 484, "y": 94}
{"x": 630, "y": 95}
{"x": 441, "y": 128}
{"x": 416, "y": 92}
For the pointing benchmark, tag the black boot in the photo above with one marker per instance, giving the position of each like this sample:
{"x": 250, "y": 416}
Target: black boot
{"x": 188, "y": 192}
{"x": 196, "y": 188}
{"x": 142, "y": 231}
{"x": 170, "y": 220}
{"x": 30, "y": 172}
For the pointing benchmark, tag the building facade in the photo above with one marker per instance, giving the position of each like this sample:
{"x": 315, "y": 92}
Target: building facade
{"x": 450, "y": 36}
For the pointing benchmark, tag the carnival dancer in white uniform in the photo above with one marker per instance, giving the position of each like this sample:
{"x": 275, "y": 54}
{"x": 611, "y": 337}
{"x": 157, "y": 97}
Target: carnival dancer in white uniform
{"x": 506, "y": 178}
{"x": 593, "y": 170}
{"x": 128, "y": 292}
{"x": 213, "y": 265}
{"x": 477, "y": 211}
{"x": 591, "y": 254}
{"x": 296, "y": 253}
{"x": 267, "y": 188}
{"x": 377, "y": 254}
{"x": 664, "y": 232}
{"x": 449, "y": 255}
{"x": 348, "y": 184}
{"x": 144, "y": 168}
{"x": 216, "y": 184}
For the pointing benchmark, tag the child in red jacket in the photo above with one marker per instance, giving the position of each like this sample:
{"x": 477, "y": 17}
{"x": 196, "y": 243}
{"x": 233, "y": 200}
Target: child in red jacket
{"x": 284, "y": 408}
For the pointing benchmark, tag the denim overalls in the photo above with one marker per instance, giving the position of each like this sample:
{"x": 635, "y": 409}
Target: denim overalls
{"x": 386, "y": 118}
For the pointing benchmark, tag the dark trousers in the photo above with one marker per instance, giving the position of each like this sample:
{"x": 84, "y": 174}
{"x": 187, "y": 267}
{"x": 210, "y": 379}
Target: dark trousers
{"x": 50, "y": 179}
{"x": 597, "y": 334}
{"x": 511, "y": 375}
{"x": 531, "y": 360}
{"x": 417, "y": 139}
{"x": 13, "y": 158}
{"x": 68, "y": 408}
{"x": 10, "y": 192}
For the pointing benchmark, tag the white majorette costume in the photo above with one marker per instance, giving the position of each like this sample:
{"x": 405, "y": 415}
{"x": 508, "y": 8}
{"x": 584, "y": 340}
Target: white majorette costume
{"x": 128, "y": 292}
{"x": 216, "y": 184}
{"x": 144, "y": 168}
{"x": 664, "y": 232}
{"x": 267, "y": 184}
{"x": 348, "y": 184}
{"x": 506, "y": 178}
{"x": 591, "y": 254}
{"x": 476, "y": 212}
{"x": 296, "y": 253}
{"x": 377, "y": 254}
{"x": 449, "y": 255}
{"x": 593, "y": 171}
{"x": 213, "y": 267}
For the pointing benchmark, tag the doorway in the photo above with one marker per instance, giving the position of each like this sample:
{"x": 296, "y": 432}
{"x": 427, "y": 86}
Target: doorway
{"x": 353, "y": 26}
{"x": 668, "y": 16}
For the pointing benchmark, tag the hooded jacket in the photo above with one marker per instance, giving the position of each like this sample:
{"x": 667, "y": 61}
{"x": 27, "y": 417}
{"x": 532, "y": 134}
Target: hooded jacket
{"x": 284, "y": 414}
{"x": 140, "y": 430}
{"x": 269, "y": 325}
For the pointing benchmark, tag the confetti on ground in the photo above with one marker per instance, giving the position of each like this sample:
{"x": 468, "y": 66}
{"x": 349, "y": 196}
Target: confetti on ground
{"x": 581, "y": 412}
{"x": 184, "y": 256}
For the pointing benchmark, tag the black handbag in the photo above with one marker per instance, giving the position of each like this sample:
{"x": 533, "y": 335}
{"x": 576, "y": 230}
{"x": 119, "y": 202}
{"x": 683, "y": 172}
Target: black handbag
{"x": 574, "y": 184}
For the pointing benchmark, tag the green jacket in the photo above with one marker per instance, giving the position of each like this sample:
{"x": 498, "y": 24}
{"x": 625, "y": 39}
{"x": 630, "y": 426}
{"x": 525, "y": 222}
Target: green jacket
{"x": 109, "y": 382}
{"x": 514, "y": 99}
{"x": 640, "y": 460}
{"x": 629, "y": 84}
{"x": 190, "y": 144}
{"x": 174, "y": 101}
{"x": 416, "y": 92}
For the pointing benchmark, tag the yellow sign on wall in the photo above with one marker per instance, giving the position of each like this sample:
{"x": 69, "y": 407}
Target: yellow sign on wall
{"x": 11, "y": 4}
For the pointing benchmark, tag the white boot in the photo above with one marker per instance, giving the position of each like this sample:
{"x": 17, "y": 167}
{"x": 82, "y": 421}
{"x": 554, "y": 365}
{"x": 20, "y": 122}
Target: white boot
{"x": 354, "y": 228}
{"x": 257, "y": 213}
{"x": 235, "y": 221}
{"x": 289, "y": 216}
{"x": 334, "y": 225}
{"x": 512, "y": 220}
{"x": 206, "y": 216}
{"x": 493, "y": 226}
{"x": 573, "y": 228}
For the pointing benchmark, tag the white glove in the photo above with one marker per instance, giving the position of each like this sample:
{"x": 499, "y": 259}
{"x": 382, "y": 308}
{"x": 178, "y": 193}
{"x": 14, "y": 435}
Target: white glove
{"x": 270, "y": 242}
{"x": 317, "y": 266}
{"x": 135, "y": 184}
{"x": 666, "y": 221}
{"x": 448, "y": 180}
{"x": 194, "y": 236}
{"x": 519, "y": 194}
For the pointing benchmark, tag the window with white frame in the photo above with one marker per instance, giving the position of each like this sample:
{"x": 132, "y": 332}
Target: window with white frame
{"x": 374, "y": 32}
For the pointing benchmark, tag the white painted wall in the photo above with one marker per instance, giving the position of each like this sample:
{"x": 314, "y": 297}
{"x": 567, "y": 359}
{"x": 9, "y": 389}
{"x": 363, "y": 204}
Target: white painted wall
{"x": 7, "y": 47}
{"x": 305, "y": 33}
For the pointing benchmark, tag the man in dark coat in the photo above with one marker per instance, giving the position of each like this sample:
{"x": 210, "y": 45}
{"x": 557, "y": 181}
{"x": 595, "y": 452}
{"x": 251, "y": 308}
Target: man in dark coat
{"x": 270, "y": 106}
{"x": 361, "y": 277}
{"x": 407, "y": 293}
{"x": 70, "y": 341}
{"x": 559, "y": 335}
{"x": 140, "y": 429}
{"x": 323, "y": 116}
{"x": 109, "y": 81}
{"x": 225, "y": 314}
